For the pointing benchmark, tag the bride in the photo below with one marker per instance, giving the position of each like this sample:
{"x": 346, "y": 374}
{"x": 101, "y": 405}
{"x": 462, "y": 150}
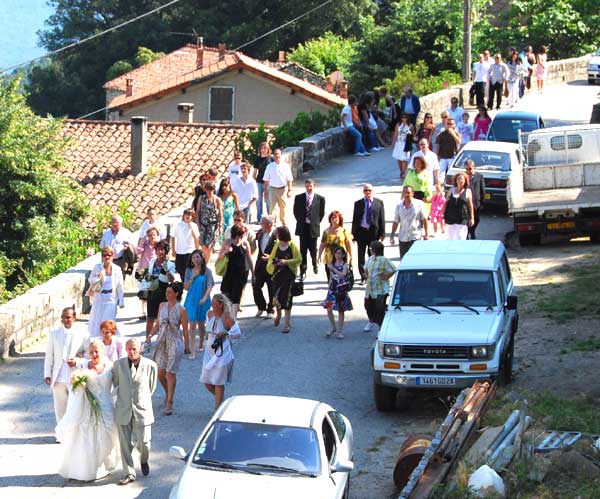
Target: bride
{"x": 87, "y": 431}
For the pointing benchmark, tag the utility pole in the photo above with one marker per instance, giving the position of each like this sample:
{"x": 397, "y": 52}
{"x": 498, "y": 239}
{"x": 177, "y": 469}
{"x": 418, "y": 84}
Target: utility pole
{"x": 466, "y": 65}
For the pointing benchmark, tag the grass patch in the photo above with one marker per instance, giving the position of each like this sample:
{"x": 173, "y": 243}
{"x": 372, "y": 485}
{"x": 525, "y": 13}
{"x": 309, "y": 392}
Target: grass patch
{"x": 590, "y": 344}
{"x": 576, "y": 296}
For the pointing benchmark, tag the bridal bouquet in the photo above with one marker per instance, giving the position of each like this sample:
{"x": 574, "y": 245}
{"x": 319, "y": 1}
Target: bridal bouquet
{"x": 79, "y": 381}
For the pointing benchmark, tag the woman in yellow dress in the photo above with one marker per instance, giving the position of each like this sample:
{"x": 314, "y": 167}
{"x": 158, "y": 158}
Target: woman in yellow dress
{"x": 335, "y": 235}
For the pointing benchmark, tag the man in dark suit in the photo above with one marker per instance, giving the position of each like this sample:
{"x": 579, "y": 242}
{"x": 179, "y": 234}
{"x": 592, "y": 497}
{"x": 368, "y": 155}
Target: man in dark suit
{"x": 477, "y": 186}
{"x": 411, "y": 105}
{"x": 309, "y": 210}
{"x": 265, "y": 240}
{"x": 368, "y": 224}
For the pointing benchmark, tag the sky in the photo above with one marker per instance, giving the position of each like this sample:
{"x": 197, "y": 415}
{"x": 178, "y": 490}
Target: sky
{"x": 19, "y": 22}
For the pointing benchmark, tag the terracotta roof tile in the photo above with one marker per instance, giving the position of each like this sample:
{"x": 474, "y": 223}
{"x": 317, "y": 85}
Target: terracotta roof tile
{"x": 179, "y": 70}
{"x": 98, "y": 158}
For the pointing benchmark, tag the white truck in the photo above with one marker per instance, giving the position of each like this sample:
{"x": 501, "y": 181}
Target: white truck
{"x": 451, "y": 320}
{"x": 557, "y": 190}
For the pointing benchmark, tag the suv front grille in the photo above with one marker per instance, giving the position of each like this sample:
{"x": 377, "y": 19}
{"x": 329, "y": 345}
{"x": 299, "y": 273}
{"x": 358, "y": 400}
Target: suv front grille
{"x": 434, "y": 352}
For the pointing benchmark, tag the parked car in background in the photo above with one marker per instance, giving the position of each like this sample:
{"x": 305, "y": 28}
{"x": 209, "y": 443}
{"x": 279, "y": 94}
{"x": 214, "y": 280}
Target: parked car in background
{"x": 451, "y": 320}
{"x": 593, "y": 70}
{"x": 269, "y": 447}
{"x": 494, "y": 160}
{"x": 506, "y": 125}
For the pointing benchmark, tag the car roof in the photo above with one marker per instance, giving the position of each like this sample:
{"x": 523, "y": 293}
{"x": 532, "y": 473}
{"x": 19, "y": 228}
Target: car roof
{"x": 489, "y": 145}
{"x": 516, "y": 115}
{"x": 459, "y": 255}
{"x": 268, "y": 409}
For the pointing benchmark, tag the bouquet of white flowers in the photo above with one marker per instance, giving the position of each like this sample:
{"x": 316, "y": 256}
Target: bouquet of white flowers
{"x": 79, "y": 382}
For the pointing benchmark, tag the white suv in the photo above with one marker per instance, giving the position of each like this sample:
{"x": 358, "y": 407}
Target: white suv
{"x": 451, "y": 320}
{"x": 593, "y": 70}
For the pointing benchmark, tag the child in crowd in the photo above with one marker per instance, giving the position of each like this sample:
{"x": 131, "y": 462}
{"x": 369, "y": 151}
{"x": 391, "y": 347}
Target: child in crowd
{"x": 437, "y": 207}
{"x": 337, "y": 296}
{"x": 465, "y": 129}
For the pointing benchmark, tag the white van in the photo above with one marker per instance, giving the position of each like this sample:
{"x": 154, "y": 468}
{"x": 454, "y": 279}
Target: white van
{"x": 563, "y": 145}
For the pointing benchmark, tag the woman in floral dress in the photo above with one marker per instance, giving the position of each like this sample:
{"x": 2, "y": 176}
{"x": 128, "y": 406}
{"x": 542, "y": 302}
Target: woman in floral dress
{"x": 209, "y": 217}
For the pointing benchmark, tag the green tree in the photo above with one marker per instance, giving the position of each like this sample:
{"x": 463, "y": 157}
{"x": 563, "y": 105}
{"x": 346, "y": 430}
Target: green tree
{"x": 418, "y": 77}
{"x": 325, "y": 54}
{"x": 117, "y": 69}
{"x": 143, "y": 56}
{"x": 39, "y": 209}
{"x": 76, "y": 75}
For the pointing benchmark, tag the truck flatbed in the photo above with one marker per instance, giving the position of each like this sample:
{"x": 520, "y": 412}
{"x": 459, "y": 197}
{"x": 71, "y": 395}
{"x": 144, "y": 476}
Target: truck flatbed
{"x": 573, "y": 198}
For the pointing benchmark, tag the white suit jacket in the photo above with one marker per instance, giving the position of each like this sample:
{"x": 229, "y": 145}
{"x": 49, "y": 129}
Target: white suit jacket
{"x": 58, "y": 352}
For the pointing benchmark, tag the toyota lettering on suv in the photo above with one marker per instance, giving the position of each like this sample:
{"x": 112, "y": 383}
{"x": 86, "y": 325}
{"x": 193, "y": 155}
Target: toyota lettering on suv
{"x": 451, "y": 320}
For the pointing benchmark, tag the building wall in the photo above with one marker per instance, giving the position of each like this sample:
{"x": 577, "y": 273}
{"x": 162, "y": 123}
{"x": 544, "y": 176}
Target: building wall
{"x": 255, "y": 99}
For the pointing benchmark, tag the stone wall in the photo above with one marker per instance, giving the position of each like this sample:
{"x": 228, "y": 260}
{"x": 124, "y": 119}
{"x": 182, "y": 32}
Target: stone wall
{"x": 567, "y": 69}
{"x": 294, "y": 156}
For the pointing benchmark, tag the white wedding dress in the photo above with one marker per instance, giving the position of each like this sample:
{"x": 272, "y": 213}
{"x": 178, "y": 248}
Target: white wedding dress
{"x": 90, "y": 444}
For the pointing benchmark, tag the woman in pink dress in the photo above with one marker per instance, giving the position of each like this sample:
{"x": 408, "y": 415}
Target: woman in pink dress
{"x": 541, "y": 68}
{"x": 482, "y": 124}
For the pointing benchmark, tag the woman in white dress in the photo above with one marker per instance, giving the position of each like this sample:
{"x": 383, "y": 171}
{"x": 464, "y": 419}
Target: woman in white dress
{"x": 403, "y": 140}
{"x": 106, "y": 291}
{"x": 89, "y": 437}
{"x": 217, "y": 366}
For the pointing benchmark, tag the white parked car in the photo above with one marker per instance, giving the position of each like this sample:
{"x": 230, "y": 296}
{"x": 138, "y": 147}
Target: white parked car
{"x": 594, "y": 68}
{"x": 269, "y": 447}
{"x": 451, "y": 320}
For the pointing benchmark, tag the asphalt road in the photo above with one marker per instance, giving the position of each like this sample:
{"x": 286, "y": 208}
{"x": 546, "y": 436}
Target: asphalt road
{"x": 303, "y": 363}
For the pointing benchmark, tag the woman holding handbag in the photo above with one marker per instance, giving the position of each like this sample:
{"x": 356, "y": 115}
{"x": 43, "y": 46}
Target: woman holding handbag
{"x": 337, "y": 296}
{"x": 283, "y": 263}
{"x": 403, "y": 140}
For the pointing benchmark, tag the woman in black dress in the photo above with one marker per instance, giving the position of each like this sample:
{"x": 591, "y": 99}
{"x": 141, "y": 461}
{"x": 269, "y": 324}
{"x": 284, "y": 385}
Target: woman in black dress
{"x": 283, "y": 265}
{"x": 237, "y": 251}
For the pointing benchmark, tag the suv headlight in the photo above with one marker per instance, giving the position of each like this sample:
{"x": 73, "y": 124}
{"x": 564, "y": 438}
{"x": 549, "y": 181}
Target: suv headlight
{"x": 392, "y": 350}
{"x": 482, "y": 351}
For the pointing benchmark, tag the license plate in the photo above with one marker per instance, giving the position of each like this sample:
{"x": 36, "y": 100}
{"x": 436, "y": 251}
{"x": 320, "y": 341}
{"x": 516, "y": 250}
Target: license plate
{"x": 488, "y": 195}
{"x": 435, "y": 381}
{"x": 561, "y": 225}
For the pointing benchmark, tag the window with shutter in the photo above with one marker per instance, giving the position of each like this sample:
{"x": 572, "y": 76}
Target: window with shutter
{"x": 221, "y": 104}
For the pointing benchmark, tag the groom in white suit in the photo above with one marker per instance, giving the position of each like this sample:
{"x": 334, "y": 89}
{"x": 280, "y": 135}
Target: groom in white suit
{"x": 64, "y": 345}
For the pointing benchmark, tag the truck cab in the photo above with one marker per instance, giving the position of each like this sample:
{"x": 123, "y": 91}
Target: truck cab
{"x": 451, "y": 320}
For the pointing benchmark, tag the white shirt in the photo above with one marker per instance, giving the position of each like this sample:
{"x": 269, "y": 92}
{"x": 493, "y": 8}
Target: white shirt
{"x": 432, "y": 163}
{"x": 162, "y": 231}
{"x": 481, "y": 71}
{"x": 466, "y": 131}
{"x": 234, "y": 169}
{"x": 347, "y": 116}
{"x": 410, "y": 220}
{"x": 116, "y": 241}
{"x": 278, "y": 175}
{"x": 247, "y": 191}
{"x": 184, "y": 237}
{"x": 456, "y": 114}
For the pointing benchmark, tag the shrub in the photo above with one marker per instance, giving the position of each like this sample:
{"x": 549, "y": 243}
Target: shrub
{"x": 417, "y": 75}
{"x": 247, "y": 142}
{"x": 290, "y": 133}
{"x": 325, "y": 54}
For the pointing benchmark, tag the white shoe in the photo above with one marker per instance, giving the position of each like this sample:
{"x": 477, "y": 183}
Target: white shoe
{"x": 366, "y": 153}
{"x": 368, "y": 327}
{"x": 258, "y": 314}
{"x": 359, "y": 154}
{"x": 269, "y": 315}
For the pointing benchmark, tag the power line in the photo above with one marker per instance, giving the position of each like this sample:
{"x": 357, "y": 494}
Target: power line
{"x": 97, "y": 35}
{"x": 284, "y": 25}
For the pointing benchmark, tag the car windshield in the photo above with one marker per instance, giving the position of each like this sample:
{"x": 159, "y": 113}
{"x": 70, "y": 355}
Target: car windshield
{"x": 279, "y": 448}
{"x": 507, "y": 130}
{"x": 437, "y": 288}
{"x": 484, "y": 160}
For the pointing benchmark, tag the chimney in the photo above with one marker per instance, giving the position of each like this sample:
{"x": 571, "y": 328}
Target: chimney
{"x": 343, "y": 89}
{"x": 129, "y": 87}
{"x": 329, "y": 86}
{"x": 222, "y": 48}
{"x": 186, "y": 112}
{"x": 199, "y": 57}
{"x": 281, "y": 58}
{"x": 139, "y": 144}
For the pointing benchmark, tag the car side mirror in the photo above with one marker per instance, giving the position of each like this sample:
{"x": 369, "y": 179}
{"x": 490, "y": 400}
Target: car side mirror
{"x": 178, "y": 452}
{"x": 342, "y": 467}
{"x": 511, "y": 302}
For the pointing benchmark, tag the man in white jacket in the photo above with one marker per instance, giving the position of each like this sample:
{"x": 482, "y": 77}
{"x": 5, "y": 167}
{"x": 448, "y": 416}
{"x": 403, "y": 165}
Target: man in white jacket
{"x": 65, "y": 344}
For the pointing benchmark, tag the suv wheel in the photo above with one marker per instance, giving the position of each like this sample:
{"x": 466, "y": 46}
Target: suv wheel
{"x": 530, "y": 239}
{"x": 506, "y": 374}
{"x": 385, "y": 397}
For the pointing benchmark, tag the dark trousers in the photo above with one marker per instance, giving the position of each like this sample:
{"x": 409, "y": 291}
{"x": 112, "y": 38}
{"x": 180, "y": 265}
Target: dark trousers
{"x": 404, "y": 247}
{"x": 375, "y": 308}
{"x": 472, "y": 228}
{"x": 260, "y": 279}
{"x": 181, "y": 264}
{"x": 363, "y": 240}
{"x": 307, "y": 244}
{"x": 121, "y": 263}
{"x": 495, "y": 89}
{"x": 480, "y": 93}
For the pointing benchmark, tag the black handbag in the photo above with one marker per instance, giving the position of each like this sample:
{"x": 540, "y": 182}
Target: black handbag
{"x": 409, "y": 143}
{"x": 350, "y": 277}
{"x": 297, "y": 288}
